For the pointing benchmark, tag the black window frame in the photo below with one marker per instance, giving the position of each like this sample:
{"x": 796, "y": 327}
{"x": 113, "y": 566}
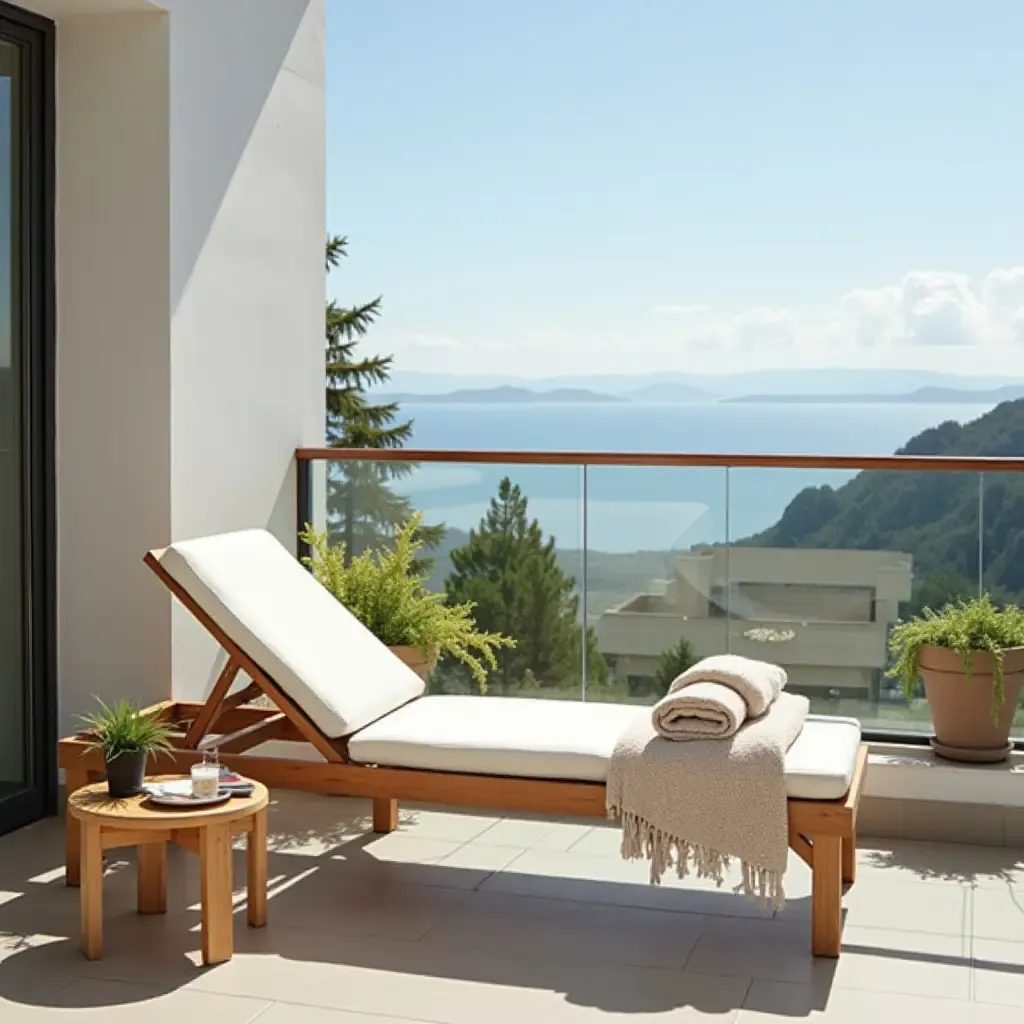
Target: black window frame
{"x": 36, "y": 38}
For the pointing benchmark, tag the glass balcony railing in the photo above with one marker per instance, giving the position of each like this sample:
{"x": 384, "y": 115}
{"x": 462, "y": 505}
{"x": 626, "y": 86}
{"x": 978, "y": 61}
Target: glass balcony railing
{"x": 612, "y": 572}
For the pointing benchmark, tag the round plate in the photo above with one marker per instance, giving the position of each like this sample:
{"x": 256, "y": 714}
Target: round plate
{"x": 171, "y": 799}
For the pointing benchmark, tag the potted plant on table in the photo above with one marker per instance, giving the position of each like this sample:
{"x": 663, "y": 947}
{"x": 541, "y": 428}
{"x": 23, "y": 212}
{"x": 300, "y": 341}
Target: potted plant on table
{"x": 127, "y": 737}
{"x": 970, "y": 657}
{"x": 386, "y": 592}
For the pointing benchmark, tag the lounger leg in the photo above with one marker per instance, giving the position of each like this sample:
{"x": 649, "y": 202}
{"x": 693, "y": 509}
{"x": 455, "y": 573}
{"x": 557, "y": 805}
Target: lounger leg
{"x": 827, "y": 896}
{"x": 385, "y": 814}
{"x": 74, "y": 779}
{"x": 850, "y": 860}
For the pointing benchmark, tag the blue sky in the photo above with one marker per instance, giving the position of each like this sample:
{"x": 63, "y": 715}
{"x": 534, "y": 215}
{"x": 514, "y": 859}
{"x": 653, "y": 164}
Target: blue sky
{"x": 551, "y": 186}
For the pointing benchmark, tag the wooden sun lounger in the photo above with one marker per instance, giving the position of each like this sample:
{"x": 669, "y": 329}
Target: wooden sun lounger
{"x": 821, "y": 832}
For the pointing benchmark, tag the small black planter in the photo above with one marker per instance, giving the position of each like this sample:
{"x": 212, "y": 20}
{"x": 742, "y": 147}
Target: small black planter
{"x": 126, "y": 773}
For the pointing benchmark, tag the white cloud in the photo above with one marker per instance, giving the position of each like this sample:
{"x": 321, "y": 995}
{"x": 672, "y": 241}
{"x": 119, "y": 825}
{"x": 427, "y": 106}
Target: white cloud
{"x": 931, "y": 318}
{"x": 927, "y": 309}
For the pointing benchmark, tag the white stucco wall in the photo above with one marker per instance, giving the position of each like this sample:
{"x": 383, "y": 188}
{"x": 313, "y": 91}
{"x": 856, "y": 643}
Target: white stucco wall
{"x": 113, "y": 357}
{"x": 191, "y": 223}
{"x": 247, "y": 279}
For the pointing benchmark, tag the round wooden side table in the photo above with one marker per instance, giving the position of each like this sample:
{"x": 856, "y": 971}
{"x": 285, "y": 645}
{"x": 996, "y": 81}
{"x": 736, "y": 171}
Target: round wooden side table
{"x": 108, "y": 824}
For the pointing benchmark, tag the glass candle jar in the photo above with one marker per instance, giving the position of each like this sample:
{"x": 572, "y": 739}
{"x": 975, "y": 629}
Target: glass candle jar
{"x": 205, "y": 777}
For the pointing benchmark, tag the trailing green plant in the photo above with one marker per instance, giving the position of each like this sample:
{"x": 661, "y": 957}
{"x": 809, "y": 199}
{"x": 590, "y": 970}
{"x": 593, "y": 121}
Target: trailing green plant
{"x": 385, "y": 591}
{"x": 124, "y": 729}
{"x": 964, "y": 626}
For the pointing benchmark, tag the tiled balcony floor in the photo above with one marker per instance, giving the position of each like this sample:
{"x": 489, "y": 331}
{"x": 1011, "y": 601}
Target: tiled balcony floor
{"x": 471, "y": 919}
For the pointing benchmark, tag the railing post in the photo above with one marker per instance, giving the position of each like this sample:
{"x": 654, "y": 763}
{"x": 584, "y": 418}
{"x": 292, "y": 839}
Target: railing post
{"x": 585, "y": 637}
{"x": 303, "y": 503}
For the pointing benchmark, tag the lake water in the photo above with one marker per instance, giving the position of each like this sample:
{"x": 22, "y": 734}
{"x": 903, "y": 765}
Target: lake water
{"x": 642, "y": 508}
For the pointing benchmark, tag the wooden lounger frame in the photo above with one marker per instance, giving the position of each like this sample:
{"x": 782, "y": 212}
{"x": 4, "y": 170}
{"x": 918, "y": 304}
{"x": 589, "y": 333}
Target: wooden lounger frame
{"x": 822, "y": 832}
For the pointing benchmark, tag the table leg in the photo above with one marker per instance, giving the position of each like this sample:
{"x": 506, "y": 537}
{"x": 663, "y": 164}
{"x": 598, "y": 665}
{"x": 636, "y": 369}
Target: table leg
{"x": 256, "y": 870}
{"x": 151, "y": 862}
{"x": 74, "y": 779}
{"x": 215, "y": 869}
{"x": 91, "y": 892}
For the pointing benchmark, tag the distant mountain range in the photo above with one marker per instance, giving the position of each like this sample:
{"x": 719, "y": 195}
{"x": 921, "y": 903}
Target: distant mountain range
{"x": 505, "y": 395}
{"x": 924, "y": 396}
{"x": 691, "y": 387}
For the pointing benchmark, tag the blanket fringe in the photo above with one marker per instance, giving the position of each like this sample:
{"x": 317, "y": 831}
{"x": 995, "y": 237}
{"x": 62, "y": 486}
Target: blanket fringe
{"x": 642, "y": 840}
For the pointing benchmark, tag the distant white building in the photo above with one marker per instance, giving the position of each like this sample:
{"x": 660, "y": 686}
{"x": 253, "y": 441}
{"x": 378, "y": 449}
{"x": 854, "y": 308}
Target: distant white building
{"x": 823, "y": 614}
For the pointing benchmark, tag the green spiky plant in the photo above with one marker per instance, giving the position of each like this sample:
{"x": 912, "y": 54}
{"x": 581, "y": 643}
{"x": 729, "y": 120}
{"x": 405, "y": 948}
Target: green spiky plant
{"x": 385, "y": 591}
{"x": 966, "y": 627}
{"x": 123, "y": 729}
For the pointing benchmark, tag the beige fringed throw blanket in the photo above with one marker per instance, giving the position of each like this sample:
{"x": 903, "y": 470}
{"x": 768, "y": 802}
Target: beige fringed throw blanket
{"x": 713, "y": 698}
{"x": 707, "y": 801}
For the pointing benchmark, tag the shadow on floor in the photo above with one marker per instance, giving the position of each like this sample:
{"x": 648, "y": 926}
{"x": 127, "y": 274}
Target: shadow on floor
{"x": 311, "y": 896}
{"x": 948, "y": 862}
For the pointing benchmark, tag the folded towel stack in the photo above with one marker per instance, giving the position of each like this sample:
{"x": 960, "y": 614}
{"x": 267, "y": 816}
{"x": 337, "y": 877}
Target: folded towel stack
{"x": 713, "y": 698}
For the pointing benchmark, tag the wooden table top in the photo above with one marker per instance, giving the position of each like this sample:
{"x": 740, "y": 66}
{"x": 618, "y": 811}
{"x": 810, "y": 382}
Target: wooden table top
{"x": 93, "y": 803}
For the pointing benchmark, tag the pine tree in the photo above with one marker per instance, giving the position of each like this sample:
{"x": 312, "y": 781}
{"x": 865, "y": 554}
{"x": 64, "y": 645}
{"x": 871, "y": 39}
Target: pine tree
{"x": 672, "y": 663}
{"x": 363, "y": 512}
{"x": 511, "y": 574}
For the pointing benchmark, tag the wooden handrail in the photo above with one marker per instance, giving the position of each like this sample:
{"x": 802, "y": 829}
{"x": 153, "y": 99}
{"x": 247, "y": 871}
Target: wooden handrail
{"x": 913, "y": 463}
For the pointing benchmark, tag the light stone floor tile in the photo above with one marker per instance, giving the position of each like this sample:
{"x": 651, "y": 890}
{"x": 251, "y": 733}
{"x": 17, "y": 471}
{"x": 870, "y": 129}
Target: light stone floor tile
{"x": 436, "y": 824}
{"x": 89, "y": 999}
{"x": 403, "y": 979}
{"x": 543, "y": 835}
{"x": 998, "y": 914}
{"x": 476, "y": 858}
{"x": 907, "y": 963}
{"x": 908, "y": 906}
{"x": 999, "y": 972}
{"x": 949, "y": 863}
{"x": 458, "y": 918}
{"x": 777, "y": 1001}
{"x": 556, "y": 930}
{"x": 600, "y": 842}
{"x": 608, "y": 880}
{"x": 289, "y": 1013}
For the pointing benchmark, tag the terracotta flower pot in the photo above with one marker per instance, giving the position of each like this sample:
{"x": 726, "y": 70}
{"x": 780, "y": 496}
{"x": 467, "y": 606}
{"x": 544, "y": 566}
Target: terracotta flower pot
{"x": 962, "y": 711}
{"x": 413, "y": 657}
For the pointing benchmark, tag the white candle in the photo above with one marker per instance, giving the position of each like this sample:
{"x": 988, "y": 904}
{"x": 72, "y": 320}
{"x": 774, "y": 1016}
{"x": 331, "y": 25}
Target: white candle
{"x": 204, "y": 779}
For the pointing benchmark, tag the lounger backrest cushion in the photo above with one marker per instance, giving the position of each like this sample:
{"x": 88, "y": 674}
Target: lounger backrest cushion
{"x": 316, "y": 651}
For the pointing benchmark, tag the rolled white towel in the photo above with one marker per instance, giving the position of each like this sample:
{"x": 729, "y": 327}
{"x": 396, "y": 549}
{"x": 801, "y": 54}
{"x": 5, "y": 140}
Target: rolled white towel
{"x": 700, "y": 711}
{"x": 757, "y": 682}
{"x": 713, "y": 698}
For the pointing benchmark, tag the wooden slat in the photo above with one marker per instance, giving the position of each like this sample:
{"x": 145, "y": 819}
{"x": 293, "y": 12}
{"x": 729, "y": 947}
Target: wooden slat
{"x": 187, "y": 839}
{"x": 252, "y": 735}
{"x": 116, "y": 839}
{"x": 799, "y": 845}
{"x": 213, "y": 703}
{"x": 266, "y": 684}
{"x": 498, "y": 792}
{"x": 235, "y": 700}
{"x": 901, "y": 463}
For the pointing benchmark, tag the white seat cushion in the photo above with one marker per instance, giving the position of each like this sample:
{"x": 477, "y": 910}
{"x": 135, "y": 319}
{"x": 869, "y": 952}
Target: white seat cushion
{"x": 554, "y": 739}
{"x": 316, "y": 651}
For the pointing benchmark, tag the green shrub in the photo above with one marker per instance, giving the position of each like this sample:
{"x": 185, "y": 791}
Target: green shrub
{"x": 385, "y": 591}
{"x": 123, "y": 729}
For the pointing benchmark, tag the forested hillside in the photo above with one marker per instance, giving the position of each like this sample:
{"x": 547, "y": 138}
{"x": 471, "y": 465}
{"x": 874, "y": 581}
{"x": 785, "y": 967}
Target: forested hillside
{"x": 932, "y": 516}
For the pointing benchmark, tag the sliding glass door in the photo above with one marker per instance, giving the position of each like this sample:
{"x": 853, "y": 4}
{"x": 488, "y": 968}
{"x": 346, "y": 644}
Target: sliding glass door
{"x": 27, "y": 697}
